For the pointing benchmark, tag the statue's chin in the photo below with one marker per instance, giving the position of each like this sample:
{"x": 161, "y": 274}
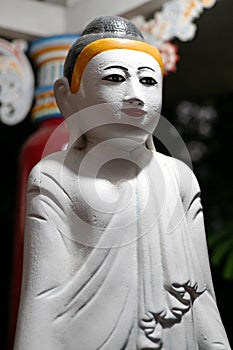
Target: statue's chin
{"x": 128, "y": 134}
{"x": 101, "y": 122}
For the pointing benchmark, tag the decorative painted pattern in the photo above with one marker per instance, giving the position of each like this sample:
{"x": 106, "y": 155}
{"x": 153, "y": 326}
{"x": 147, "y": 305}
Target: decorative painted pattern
{"x": 175, "y": 20}
{"x": 16, "y": 82}
{"x": 48, "y": 54}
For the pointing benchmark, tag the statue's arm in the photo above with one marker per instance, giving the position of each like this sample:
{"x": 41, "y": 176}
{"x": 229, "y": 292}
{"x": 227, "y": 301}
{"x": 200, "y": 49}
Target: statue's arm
{"x": 46, "y": 262}
{"x": 208, "y": 324}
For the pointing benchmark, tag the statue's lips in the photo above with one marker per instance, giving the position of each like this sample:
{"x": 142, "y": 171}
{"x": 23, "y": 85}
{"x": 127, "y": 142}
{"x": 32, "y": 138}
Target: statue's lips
{"x": 134, "y": 112}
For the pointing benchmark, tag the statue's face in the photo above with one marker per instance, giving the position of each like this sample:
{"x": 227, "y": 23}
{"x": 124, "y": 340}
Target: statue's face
{"x": 122, "y": 78}
{"x": 129, "y": 81}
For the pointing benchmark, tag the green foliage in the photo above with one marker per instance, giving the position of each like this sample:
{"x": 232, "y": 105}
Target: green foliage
{"x": 221, "y": 250}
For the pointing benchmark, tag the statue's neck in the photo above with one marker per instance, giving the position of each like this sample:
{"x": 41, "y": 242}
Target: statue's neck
{"x": 120, "y": 146}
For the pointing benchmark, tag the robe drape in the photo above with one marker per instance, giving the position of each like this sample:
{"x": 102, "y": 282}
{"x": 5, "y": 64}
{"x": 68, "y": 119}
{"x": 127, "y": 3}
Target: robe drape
{"x": 116, "y": 266}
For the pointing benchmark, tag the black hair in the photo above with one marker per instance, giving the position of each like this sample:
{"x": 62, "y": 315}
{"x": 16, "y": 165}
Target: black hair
{"x": 100, "y": 28}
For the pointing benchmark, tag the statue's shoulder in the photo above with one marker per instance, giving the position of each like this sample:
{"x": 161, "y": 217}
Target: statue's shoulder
{"x": 175, "y": 164}
{"x": 49, "y": 164}
{"x": 181, "y": 172}
{"x": 55, "y": 169}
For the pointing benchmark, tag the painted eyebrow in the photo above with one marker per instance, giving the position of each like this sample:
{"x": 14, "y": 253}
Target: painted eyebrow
{"x": 119, "y": 67}
{"x": 141, "y": 68}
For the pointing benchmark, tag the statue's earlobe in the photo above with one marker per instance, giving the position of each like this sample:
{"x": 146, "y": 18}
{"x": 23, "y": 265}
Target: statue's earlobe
{"x": 62, "y": 93}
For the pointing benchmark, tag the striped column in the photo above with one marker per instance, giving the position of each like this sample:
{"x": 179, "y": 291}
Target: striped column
{"x": 48, "y": 56}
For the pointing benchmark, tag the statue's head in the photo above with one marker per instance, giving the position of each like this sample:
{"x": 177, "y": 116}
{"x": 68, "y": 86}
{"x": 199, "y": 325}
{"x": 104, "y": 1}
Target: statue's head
{"x": 111, "y": 63}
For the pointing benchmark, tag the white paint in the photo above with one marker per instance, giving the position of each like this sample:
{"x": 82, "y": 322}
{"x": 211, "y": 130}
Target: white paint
{"x": 129, "y": 95}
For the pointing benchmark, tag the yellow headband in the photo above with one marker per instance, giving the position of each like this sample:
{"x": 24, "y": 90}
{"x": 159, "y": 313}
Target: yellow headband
{"x": 101, "y": 45}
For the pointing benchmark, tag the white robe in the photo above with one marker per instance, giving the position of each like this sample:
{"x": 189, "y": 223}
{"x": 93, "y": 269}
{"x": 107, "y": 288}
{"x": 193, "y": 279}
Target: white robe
{"x": 112, "y": 265}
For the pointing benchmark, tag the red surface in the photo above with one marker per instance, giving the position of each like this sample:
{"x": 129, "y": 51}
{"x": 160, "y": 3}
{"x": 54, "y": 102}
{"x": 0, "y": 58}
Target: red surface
{"x": 40, "y": 144}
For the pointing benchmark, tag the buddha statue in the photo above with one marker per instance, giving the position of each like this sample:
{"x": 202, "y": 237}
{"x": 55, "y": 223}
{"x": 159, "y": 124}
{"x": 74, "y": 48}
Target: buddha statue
{"x": 115, "y": 250}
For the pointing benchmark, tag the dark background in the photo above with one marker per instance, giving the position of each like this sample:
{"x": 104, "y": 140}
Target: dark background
{"x": 198, "y": 101}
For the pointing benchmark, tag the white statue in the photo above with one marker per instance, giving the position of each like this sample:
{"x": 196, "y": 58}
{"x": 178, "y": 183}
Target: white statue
{"x": 115, "y": 246}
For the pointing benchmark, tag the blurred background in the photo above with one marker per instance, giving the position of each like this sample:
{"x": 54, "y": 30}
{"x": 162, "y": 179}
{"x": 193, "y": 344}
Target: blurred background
{"x": 197, "y": 100}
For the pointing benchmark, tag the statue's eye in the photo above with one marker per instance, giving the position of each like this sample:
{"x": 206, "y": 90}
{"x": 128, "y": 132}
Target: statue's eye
{"x": 148, "y": 81}
{"x": 116, "y": 78}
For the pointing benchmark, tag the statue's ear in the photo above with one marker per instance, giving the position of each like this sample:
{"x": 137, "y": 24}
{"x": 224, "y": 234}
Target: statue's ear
{"x": 62, "y": 95}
